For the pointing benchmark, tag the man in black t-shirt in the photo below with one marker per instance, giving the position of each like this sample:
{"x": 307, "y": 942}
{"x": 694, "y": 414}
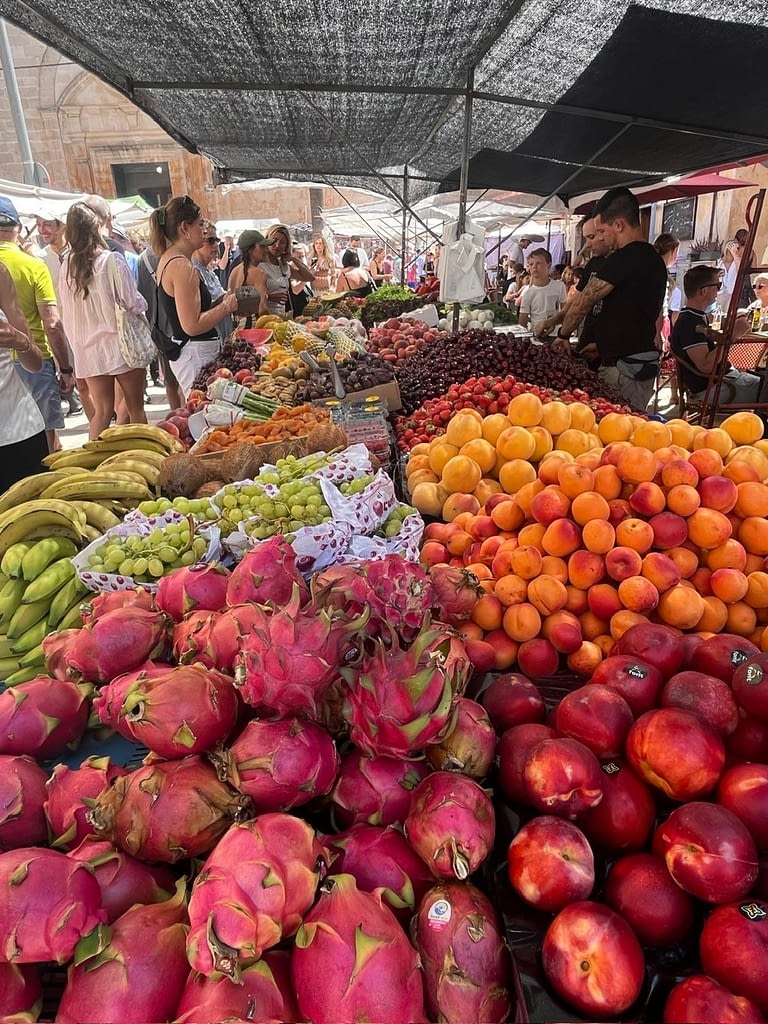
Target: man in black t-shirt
{"x": 692, "y": 340}
{"x": 630, "y": 285}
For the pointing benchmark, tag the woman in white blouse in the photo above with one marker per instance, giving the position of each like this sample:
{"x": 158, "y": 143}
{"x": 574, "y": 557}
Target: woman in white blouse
{"x": 92, "y": 282}
{"x": 22, "y": 431}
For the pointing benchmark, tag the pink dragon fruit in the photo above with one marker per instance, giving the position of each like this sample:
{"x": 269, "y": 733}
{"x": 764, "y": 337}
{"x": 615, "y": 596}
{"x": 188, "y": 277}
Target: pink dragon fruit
{"x": 70, "y": 794}
{"x": 382, "y": 858}
{"x": 470, "y": 746}
{"x": 199, "y": 587}
{"x": 110, "y": 600}
{"x": 253, "y": 891}
{"x": 397, "y": 594}
{"x": 353, "y": 961}
{"x": 191, "y": 637}
{"x": 50, "y": 903}
{"x": 455, "y": 593}
{"x": 226, "y": 636}
{"x": 136, "y": 973}
{"x": 123, "y": 879}
{"x": 186, "y": 709}
{"x": 109, "y": 700}
{"x": 267, "y": 574}
{"x": 265, "y": 992}
{"x": 375, "y": 790}
{"x": 167, "y": 811}
{"x": 41, "y": 719}
{"x": 465, "y": 961}
{"x": 451, "y": 824}
{"x": 21, "y": 994}
{"x": 56, "y": 648}
{"x": 22, "y": 796}
{"x": 401, "y": 700}
{"x": 116, "y": 642}
{"x": 280, "y": 765}
{"x": 290, "y": 658}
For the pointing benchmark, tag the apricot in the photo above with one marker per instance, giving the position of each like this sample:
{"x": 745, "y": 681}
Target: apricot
{"x": 607, "y": 482}
{"x": 508, "y": 515}
{"x": 729, "y": 585}
{"x": 486, "y": 488}
{"x": 551, "y": 565}
{"x": 620, "y": 511}
{"x": 422, "y": 476}
{"x": 563, "y": 630}
{"x": 606, "y": 643}
{"x": 575, "y": 479}
{"x": 706, "y": 462}
{"x": 561, "y": 538}
{"x": 683, "y": 500}
{"x": 522, "y": 622}
{"x": 636, "y": 534}
{"x": 585, "y": 568}
{"x": 728, "y": 555}
{"x": 480, "y": 570}
{"x": 590, "y": 459}
{"x": 624, "y": 619}
{"x": 679, "y": 472}
{"x": 614, "y": 426}
{"x": 718, "y": 492}
{"x": 648, "y": 499}
{"x": 585, "y": 660}
{"x": 429, "y": 498}
{"x": 757, "y": 590}
{"x": 525, "y": 410}
{"x": 555, "y": 417}
{"x": 575, "y": 441}
{"x": 525, "y": 562}
{"x": 753, "y": 534}
{"x": 682, "y": 433}
{"x": 457, "y": 503}
{"x": 516, "y": 443}
{"x": 514, "y": 474}
{"x": 755, "y": 563}
{"x": 669, "y": 530}
{"x": 741, "y": 472}
{"x": 461, "y": 474}
{"x": 708, "y": 528}
{"x": 532, "y": 534}
{"x": 511, "y": 590}
{"x": 591, "y": 625}
{"x": 549, "y": 505}
{"x": 751, "y": 499}
{"x": 527, "y": 493}
{"x": 422, "y": 448}
{"x": 652, "y": 435}
{"x": 610, "y": 454}
{"x": 416, "y": 462}
{"x": 582, "y": 417}
{"x": 440, "y": 455}
{"x": 638, "y": 594}
{"x": 459, "y": 542}
{"x": 577, "y": 602}
{"x": 547, "y": 594}
{"x": 715, "y": 615}
{"x": 543, "y": 442}
{"x": 598, "y": 535}
{"x": 550, "y": 465}
{"x": 741, "y": 620}
{"x": 716, "y": 438}
{"x": 636, "y": 465}
{"x": 463, "y": 427}
{"x": 494, "y": 425}
{"x": 686, "y": 560}
{"x": 681, "y": 606}
{"x": 755, "y": 457}
{"x": 603, "y": 601}
{"x": 661, "y": 571}
{"x": 504, "y": 649}
{"x": 743, "y": 427}
{"x": 481, "y": 452}
{"x": 488, "y": 612}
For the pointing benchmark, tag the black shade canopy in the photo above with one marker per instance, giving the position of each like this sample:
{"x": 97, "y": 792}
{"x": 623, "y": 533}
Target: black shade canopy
{"x": 570, "y": 97}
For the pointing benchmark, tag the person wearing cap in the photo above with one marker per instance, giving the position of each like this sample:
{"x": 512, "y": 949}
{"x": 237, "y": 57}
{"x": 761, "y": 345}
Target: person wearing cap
{"x": 37, "y": 299}
{"x": 176, "y": 232}
{"x": 254, "y": 248}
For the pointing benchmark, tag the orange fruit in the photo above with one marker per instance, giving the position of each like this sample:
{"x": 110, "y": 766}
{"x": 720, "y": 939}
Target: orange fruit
{"x": 681, "y": 606}
{"x": 480, "y": 451}
{"x": 598, "y": 535}
{"x": 715, "y": 438}
{"x": 652, "y": 435}
{"x": 582, "y": 417}
{"x": 461, "y": 474}
{"x": 752, "y": 499}
{"x": 614, "y": 426}
{"x": 522, "y": 622}
{"x": 525, "y": 410}
{"x": 440, "y": 454}
{"x": 429, "y": 499}
{"x": 636, "y": 465}
{"x": 463, "y": 427}
{"x": 514, "y": 474}
{"x": 511, "y": 590}
{"x": 516, "y": 443}
{"x": 575, "y": 441}
{"x": 555, "y": 417}
{"x": 575, "y": 479}
{"x": 743, "y": 427}
{"x": 494, "y": 425}
{"x": 588, "y": 506}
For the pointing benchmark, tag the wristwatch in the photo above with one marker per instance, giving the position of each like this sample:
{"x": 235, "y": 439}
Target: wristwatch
{"x": 66, "y": 369}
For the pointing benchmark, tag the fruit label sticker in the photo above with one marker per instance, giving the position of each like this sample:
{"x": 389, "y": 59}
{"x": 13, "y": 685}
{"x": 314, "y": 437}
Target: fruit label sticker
{"x": 753, "y": 911}
{"x": 636, "y": 672}
{"x": 439, "y": 915}
{"x": 737, "y": 657}
{"x": 754, "y": 675}
{"x": 611, "y": 768}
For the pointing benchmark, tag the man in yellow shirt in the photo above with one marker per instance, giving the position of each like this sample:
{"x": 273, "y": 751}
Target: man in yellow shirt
{"x": 37, "y": 298}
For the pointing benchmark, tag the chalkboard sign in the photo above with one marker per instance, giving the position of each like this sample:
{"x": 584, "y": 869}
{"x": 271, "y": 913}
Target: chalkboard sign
{"x": 680, "y": 218}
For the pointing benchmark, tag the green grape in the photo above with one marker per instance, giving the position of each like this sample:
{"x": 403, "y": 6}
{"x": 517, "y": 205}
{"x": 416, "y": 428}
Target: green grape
{"x": 211, "y": 514}
{"x": 295, "y": 524}
{"x": 188, "y": 558}
{"x": 155, "y": 567}
{"x": 182, "y": 505}
{"x": 126, "y": 567}
{"x": 325, "y": 512}
{"x": 94, "y": 560}
{"x": 140, "y": 566}
{"x": 165, "y": 555}
{"x": 392, "y": 529}
{"x": 148, "y": 508}
{"x": 156, "y": 537}
{"x": 199, "y": 546}
{"x": 229, "y": 501}
{"x": 235, "y": 515}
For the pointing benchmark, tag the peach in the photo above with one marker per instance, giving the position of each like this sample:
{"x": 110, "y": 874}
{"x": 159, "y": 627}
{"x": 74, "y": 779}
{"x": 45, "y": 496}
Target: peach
{"x": 598, "y": 536}
{"x": 522, "y": 622}
{"x": 660, "y": 570}
{"x": 588, "y": 506}
{"x": 582, "y": 417}
{"x": 516, "y": 443}
{"x": 507, "y": 514}
{"x": 611, "y": 452}
{"x": 433, "y": 553}
{"x": 555, "y": 417}
{"x": 550, "y": 466}
{"x": 563, "y": 630}
{"x": 636, "y": 534}
{"x": 652, "y": 435}
{"x": 482, "y": 527}
{"x": 538, "y": 658}
{"x": 729, "y": 585}
{"x": 728, "y": 555}
{"x": 681, "y": 606}
{"x": 742, "y": 619}
{"x": 756, "y": 458}
{"x": 686, "y": 560}
{"x": 614, "y": 426}
{"x": 718, "y": 492}
{"x": 751, "y": 499}
{"x": 669, "y": 530}
{"x": 623, "y": 562}
{"x": 700, "y": 580}
{"x": 708, "y": 528}
{"x": 677, "y": 752}
{"x": 486, "y": 488}
{"x": 547, "y": 594}
{"x": 532, "y": 534}
{"x": 561, "y": 538}
{"x": 715, "y": 439}
{"x": 607, "y": 482}
{"x": 753, "y": 534}
{"x": 683, "y": 500}
{"x": 469, "y": 630}
{"x": 489, "y": 549}
{"x": 553, "y": 566}
{"x": 461, "y": 474}
{"x": 682, "y": 433}
{"x": 510, "y": 590}
{"x": 429, "y": 499}
{"x": 504, "y": 648}
{"x": 757, "y": 590}
{"x": 488, "y": 612}
{"x": 585, "y": 568}
{"x": 457, "y": 503}
{"x": 592, "y": 626}
{"x": 638, "y": 594}
{"x": 459, "y": 542}
{"x": 603, "y": 601}
{"x": 440, "y": 454}
{"x": 463, "y": 427}
{"x": 706, "y": 462}
{"x": 527, "y": 493}
{"x": 715, "y": 615}
{"x": 741, "y": 472}
{"x": 606, "y": 643}
{"x": 585, "y": 660}
{"x": 577, "y": 602}
{"x": 543, "y": 442}
{"x": 574, "y": 479}
{"x": 574, "y": 441}
{"x": 619, "y": 510}
{"x": 514, "y": 473}
{"x": 647, "y": 499}
{"x": 494, "y": 425}
{"x": 549, "y": 505}
{"x": 679, "y": 472}
{"x": 636, "y": 465}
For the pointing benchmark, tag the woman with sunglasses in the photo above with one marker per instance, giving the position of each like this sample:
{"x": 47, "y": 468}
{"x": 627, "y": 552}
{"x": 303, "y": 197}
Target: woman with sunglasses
{"x": 205, "y": 259}
{"x": 176, "y": 233}
{"x": 279, "y": 266}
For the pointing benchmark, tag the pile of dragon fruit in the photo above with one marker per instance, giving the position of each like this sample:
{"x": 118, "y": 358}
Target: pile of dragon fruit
{"x": 300, "y": 842}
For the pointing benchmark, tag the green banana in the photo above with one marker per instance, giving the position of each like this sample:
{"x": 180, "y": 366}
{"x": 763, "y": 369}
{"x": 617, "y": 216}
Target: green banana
{"x": 23, "y": 675}
{"x": 44, "y": 553}
{"x": 97, "y": 515}
{"x": 11, "y": 562}
{"x": 8, "y": 666}
{"x": 10, "y": 599}
{"x": 72, "y": 620}
{"x": 33, "y": 659}
{"x": 50, "y": 581}
{"x": 25, "y": 616}
{"x": 70, "y": 595}
{"x": 5, "y": 646}
{"x": 33, "y": 636}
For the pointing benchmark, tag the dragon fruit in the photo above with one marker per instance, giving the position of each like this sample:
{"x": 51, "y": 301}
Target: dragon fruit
{"x": 167, "y": 811}
{"x": 451, "y": 824}
{"x": 70, "y": 794}
{"x": 290, "y": 658}
{"x": 375, "y": 790}
{"x": 110, "y": 600}
{"x": 353, "y": 961}
{"x": 401, "y": 700}
{"x": 465, "y": 962}
{"x": 382, "y": 858}
{"x": 253, "y": 891}
{"x": 267, "y": 574}
{"x": 22, "y": 796}
{"x": 136, "y": 973}
{"x": 199, "y": 587}
{"x": 41, "y": 719}
{"x": 265, "y": 992}
{"x": 21, "y": 994}
{"x": 185, "y": 709}
{"x": 397, "y": 594}
{"x": 109, "y": 700}
{"x": 280, "y": 765}
{"x": 50, "y": 902}
{"x": 116, "y": 642}
{"x": 56, "y": 648}
{"x": 470, "y": 746}
{"x": 123, "y": 879}
{"x": 214, "y": 638}
{"x": 455, "y": 593}
{"x": 191, "y": 637}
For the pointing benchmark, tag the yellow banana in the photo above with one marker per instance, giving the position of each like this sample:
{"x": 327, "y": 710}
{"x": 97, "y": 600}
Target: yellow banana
{"x": 38, "y": 524}
{"x": 150, "y": 455}
{"x": 23, "y": 675}
{"x": 135, "y": 445}
{"x": 106, "y": 487}
{"x": 5, "y": 647}
{"x": 136, "y": 467}
{"x": 80, "y": 476}
{"x": 91, "y": 533}
{"x": 120, "y": 476}
{"x": 11, "y": 563}
{"x": 142, "y": 431}
{"x": 44, "y": 553}
{"x": 31, "y": 638}
{"x": 30, "y": 487}
{"x": 79, "y": 458}
{"x": 97, "y": 515}
{"x": 63, "y": 509}
{"x": 25, "y": 617}
{"x": 10, "y": 599}
{"x": 49, "y": 582}
{"x": 70, "y": 596}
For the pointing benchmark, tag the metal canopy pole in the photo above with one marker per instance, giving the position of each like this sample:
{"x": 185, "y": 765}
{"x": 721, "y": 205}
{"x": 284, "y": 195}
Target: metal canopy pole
{"x": 405, "y": 226}
{"x": 17, "y": 110}
{"x": 464, "y": 181}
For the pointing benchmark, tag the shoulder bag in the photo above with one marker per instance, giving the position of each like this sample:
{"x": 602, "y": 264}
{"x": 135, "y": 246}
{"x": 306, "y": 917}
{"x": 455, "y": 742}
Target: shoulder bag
{"x": 134, "y": 337}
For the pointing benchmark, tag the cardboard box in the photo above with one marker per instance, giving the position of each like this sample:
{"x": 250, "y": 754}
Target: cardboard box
{"x": 390, "y": 392}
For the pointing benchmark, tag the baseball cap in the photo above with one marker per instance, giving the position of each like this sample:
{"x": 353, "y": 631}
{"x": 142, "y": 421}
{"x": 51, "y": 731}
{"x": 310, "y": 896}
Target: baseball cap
{"x": 46, "y": 213}
{"x": 251, "y": 237}
{"x": 8, "y": 213}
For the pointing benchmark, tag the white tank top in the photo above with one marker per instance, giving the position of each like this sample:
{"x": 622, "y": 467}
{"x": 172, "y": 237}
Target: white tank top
{"x": 278, "y": 279}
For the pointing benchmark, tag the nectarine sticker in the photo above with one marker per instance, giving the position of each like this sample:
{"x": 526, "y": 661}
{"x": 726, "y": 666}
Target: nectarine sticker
{"x": 753, "y": 676}
{"x": 753, "y": 911}
{"x": 439, "y": 915}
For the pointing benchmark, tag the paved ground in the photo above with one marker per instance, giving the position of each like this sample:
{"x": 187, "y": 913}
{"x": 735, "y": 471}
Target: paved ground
{"x": 75, "y": 430}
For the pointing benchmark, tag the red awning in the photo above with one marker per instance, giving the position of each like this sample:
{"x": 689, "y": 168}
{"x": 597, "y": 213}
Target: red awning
{"x": 694, "y": 185}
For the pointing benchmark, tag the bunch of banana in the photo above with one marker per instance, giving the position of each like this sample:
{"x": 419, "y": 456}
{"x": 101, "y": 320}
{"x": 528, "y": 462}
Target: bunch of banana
{"x": 39, "y": 593}
{"x": 134, "y": 441}
{"x": 42, "y": 517}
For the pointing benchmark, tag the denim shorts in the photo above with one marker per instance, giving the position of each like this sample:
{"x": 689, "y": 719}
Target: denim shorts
{"x": 44, "y": 388}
